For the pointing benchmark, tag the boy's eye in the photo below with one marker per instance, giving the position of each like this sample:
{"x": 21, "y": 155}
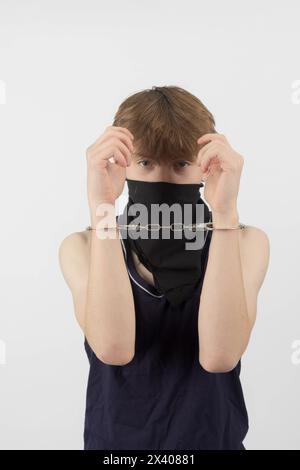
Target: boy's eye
{"x": 144, "y": 161}
{"x": 182, "y": 164}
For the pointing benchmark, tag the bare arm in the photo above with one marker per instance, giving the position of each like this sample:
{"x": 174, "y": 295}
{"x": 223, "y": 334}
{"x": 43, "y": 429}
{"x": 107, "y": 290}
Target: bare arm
{"x": 94, "y": 267}
{"x": 237, "y": 261}
{"x": 109, "y": 311}
{"x": 235, "y": 271}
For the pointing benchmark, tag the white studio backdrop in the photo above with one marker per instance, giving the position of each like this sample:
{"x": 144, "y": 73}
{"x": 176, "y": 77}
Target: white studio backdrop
{"x": 65, "y": 67}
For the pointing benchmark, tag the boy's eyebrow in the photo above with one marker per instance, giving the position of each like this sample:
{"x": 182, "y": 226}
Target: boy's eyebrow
{"x": 184, "y": 159}
{"x": 136, "y": 155}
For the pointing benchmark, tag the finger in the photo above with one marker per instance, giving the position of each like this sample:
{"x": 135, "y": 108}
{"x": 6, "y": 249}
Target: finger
{"x": 203, "y": 150}
{"x": 213, "y": 168}
{"x": 211, "y": 137}
{"x": 121, "y": 136}
{"x": 121, "y": 129}
{"x": 111, "y": 131}
{"x": 110, "y": 153}
{"x": 220, "y": 143}
{"x": 125, "y": 151}
{"x": 211, "y": 153}
{"x": 114, "y": 142}
{"x": 115, "y": 156}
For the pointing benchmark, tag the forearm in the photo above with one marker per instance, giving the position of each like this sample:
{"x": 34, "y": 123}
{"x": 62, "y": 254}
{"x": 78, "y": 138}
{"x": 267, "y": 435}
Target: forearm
{"x": 223, "y": 324}
{"x": 110, "y": 312}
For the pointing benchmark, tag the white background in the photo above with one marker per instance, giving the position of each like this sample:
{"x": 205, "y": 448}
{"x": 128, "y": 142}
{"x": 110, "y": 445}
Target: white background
{"x": 65, "y": 67}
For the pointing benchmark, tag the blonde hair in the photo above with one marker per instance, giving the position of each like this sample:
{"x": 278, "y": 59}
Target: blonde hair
{"x": 166, "y": 122}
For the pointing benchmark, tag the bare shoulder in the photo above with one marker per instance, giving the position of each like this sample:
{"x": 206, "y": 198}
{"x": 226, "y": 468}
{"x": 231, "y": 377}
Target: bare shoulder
{"x": 74, "y": 257}
{"x": 75, "y": 239}
{"x": 255, "y": 253}
{"x": 74, "y": 263}
{"x": 255, "y": 238}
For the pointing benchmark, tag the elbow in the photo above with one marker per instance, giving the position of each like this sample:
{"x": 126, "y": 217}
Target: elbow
{"x": 215, "y": 364}
{"x": 114, "y": 357}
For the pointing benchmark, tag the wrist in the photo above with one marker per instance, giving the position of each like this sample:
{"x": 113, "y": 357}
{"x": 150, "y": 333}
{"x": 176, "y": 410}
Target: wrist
{"x": 102, "y": 210}
{"x": 225, "y": 219}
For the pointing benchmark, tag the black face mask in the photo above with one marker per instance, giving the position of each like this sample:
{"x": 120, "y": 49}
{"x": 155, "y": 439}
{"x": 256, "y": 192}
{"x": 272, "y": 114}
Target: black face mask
{"x": 176, "y": 270}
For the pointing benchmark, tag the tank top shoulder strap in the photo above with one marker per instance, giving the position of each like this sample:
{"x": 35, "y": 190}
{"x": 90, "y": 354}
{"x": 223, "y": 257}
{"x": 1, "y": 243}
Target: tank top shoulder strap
{"x": 138, "y": 280}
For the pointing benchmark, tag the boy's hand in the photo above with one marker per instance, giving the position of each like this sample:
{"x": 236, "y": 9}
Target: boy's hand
{"x": 222, "y": 167}
{"x": 107, "y": 159}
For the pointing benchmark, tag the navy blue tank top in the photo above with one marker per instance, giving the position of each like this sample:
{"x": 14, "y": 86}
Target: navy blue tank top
{"x": 163, "y": 399}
